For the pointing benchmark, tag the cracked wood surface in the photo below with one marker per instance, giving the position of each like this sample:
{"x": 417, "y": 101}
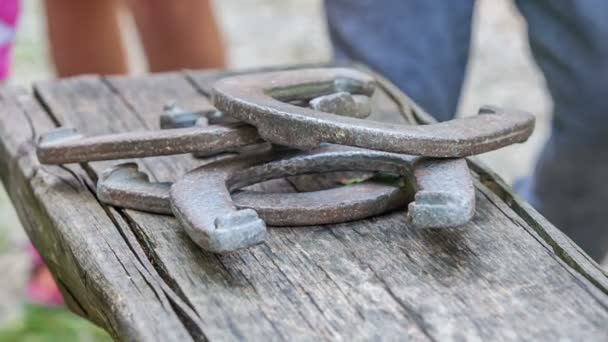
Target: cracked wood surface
{"x": 507, "y": 275}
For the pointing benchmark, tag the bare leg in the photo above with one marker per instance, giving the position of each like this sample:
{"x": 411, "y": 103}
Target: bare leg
{"x": 85, "y": 37}
{"x": 178, "y": 34}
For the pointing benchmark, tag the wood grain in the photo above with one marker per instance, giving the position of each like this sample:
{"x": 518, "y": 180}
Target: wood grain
{"x": 98, "y": 265}
{"x": 509, "y": 275}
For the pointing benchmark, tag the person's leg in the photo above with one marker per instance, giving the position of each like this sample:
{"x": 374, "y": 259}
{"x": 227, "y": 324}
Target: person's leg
{"x": 178, "y": 34}
{"x": 568, "y": 40}
{"x": 85, "y": 37}
{"x": 422, "y": 46}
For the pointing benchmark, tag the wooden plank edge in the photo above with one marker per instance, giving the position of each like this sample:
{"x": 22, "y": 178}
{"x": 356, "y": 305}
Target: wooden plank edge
{"x": 21, "y": 173}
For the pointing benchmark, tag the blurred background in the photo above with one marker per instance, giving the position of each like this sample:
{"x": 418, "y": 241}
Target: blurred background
{"x": 501, "y": 72}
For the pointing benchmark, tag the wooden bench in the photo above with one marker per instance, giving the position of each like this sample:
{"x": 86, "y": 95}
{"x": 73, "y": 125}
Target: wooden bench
{"x": 508, "y": 275}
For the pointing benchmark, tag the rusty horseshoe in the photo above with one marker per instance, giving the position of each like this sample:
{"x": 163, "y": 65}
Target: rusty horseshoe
{"x": 202, "y": 203}
{"x": 65, "y": 145}
{"x": 125, "y": 186}
{"x": 262, "y": 100}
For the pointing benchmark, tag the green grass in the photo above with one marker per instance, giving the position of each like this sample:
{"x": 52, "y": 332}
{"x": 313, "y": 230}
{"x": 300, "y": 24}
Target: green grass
{"x": 39, "y": 324}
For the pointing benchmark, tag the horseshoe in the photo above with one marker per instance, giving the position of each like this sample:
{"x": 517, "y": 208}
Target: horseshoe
{"x": 65, "y": 145}
{"x": 125, "y": 186}
{"x": 262, "y": 100}
{"x": 201, "y": 200}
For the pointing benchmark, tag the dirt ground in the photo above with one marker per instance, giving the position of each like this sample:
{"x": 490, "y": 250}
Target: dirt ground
{"x": 501, "y": 72}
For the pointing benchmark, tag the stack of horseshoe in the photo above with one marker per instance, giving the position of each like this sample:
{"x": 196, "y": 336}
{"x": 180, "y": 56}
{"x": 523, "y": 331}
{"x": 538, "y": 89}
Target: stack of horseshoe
{"x": 287, "y": 123}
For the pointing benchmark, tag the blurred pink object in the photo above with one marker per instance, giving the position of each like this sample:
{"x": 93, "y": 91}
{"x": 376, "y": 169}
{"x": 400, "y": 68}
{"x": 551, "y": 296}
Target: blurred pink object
{"x": 9, "y": 15}
{"x": 41, "y": 288}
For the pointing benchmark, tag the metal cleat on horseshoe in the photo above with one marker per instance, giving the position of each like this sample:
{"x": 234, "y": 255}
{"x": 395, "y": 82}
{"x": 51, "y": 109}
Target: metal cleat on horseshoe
{"x": 125, "y": 186}
{"x": 263, "y": 100}
{"x": 445, "y": 195}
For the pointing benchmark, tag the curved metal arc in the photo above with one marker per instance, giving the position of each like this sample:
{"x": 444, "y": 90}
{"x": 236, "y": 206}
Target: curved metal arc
{"x": 69, "y": 147}
{"x": 201, "y": 200}
{"x": 125, "y": 186}
{"x": 444, "y": 191}
{"x": 261, "y": 100}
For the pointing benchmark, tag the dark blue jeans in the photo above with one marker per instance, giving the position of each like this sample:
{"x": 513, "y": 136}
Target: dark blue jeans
{"x": 423, "y": 47}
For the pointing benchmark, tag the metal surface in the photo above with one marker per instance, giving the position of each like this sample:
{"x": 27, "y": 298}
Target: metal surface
{"x": 339, "y": 103}
{"x": 343, "y": 103}
{"x": 202, "y": 203}
{"x": 263, "y": 100}
{"x": 175, "y": 117}
{"x": 444, "y": 192}
{"x": 125, "y": 186}
{"x": 64, "y": 146}
{"x": 445, "y": 195}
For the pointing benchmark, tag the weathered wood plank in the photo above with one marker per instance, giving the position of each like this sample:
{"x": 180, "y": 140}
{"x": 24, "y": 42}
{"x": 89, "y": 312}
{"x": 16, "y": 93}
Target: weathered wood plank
{"x": 93, "y": 261}
{"x": 279, "y": 306}
{"x": 500, "y": 277}
{"x": 547, "y": 234}
{"x": 190, "y": 278}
